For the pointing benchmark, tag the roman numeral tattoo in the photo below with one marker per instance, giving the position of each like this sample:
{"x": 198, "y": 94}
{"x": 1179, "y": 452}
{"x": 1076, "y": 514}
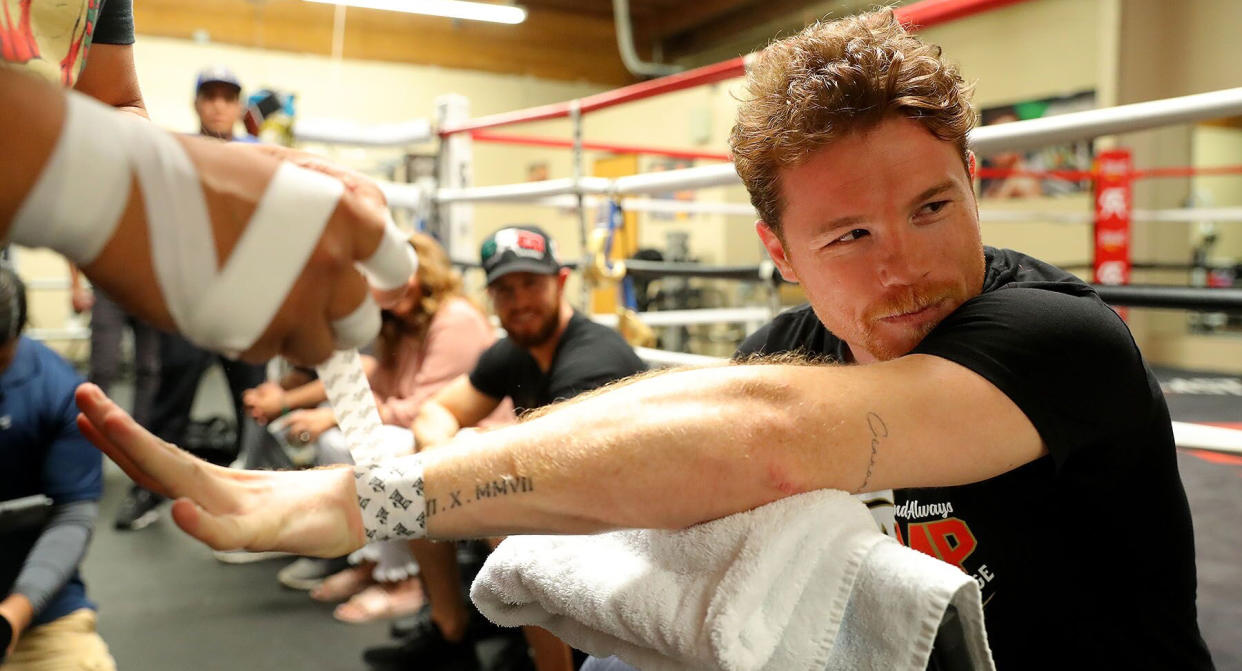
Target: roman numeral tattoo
{"x": 505, "y": 486}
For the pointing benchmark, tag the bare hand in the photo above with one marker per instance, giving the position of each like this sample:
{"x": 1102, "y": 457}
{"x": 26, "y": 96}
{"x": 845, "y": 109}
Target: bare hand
{"x": 265, "y": 402}
{"x": 17, "y": 612}
{"x": 82, "y": 299}
{"x": 311, "y": 512}
{"x": 308, "y": 425}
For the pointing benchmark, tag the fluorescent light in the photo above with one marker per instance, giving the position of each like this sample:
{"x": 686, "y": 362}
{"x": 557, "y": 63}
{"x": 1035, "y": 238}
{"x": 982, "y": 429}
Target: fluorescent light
{"x": 453, "y": 9}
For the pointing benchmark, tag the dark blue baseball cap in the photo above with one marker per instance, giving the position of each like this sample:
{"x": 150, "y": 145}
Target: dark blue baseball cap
{"x": 216, "y": 74}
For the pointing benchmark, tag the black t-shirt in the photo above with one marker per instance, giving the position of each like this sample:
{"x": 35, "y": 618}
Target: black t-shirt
{"x": 116, "y": 22}
{"x": 1085, "y": 556}
{"x": 588, "y": 355}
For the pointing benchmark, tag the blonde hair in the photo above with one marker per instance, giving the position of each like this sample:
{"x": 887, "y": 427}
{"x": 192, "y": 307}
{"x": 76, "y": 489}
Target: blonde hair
{"x": 831, "y": 80}
{"x": 438, "y": 283}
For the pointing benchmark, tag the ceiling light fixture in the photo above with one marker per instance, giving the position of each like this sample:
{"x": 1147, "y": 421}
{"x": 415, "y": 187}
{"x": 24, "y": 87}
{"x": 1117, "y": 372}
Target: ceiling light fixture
{"x": 453, "y": 9}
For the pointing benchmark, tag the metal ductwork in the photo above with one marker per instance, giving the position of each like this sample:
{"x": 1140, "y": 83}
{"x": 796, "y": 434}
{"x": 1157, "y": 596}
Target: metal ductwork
{"x": 625, "y": 42}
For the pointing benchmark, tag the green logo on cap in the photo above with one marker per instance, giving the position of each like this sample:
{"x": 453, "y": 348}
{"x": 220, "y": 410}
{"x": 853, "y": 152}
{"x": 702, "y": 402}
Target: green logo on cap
{"x": 489, "y": 249}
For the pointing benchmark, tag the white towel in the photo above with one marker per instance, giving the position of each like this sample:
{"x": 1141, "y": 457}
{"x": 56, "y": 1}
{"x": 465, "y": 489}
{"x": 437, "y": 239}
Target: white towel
{"x": 896, "y": 609}
{"x": 768, "y": 589}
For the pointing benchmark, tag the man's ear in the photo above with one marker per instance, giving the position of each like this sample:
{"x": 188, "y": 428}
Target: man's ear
{"x": 776, "y": 250}
{"x": 970, "y": 156}
{"x": 561, "y": 276}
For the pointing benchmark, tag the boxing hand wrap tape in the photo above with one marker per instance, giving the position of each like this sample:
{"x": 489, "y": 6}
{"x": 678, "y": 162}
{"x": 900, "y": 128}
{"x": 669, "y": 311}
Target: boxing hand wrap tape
{"x": 390, "y": 490}
{"x": 390, "y": 495}
{"x": 389, "y": 267}
{"x": 80, "y": 196}
{"x": 233, "y": 308}
{"x": 352, "y": 402}
{"x": 393, "y": 262}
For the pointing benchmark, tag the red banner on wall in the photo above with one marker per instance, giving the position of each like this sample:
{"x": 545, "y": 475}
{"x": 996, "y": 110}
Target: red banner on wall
{"x": 1114, "y": 199}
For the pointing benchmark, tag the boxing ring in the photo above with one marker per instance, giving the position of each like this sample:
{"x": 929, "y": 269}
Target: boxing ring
{"x": 597, "y": 201}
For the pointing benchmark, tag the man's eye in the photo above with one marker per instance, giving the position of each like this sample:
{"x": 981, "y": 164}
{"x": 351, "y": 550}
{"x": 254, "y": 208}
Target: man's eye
{"x": 853, "y": 235}
{"x": 934, "y": 208}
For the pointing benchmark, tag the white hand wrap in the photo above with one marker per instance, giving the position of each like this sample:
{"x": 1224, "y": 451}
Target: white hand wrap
{"x": 352, "y": 402}
{"x": 390, "y": 495}
{"x": 79, "y": 198}
{"x": 393, "y": 262}
{"x": 75, "y": 205}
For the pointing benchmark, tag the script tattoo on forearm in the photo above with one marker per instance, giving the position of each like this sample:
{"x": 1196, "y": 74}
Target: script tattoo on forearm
{"x": 504, "y": 486}
{"x": 879, "y": 431}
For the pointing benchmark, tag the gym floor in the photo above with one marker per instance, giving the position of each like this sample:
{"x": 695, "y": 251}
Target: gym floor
{"x": 166, "y": 603}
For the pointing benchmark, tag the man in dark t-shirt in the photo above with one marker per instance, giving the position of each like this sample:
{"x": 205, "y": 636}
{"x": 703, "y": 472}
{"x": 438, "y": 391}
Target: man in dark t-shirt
{"x": 550, "y": 353}
{"x": 1068, "y": 568}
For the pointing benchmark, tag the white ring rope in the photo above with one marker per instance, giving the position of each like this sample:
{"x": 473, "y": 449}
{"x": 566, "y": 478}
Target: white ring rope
{"x": 657, "y": 205}
{"x": 1189, "y": 214}
{"x": 662, "y": 358}
{"x": 337, "y": 131}
{"x": 1204, "y": 437}
{"x": 744, "y": 315}
{"x": 1018, "y": 135}
{"x": 526, "y": 191}
{"x": 411, "y": 196}
{"x": 1062, "y": 128}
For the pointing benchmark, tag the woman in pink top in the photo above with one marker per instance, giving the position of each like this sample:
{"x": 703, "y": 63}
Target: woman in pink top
{"x": 432, "y": 337}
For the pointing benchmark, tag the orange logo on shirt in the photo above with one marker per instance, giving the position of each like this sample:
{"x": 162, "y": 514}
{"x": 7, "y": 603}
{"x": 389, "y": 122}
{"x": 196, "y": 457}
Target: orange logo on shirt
{"x": 949, "y": 540}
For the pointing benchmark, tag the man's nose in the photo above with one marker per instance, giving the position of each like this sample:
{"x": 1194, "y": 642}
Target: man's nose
{"x": 903, "y": 258}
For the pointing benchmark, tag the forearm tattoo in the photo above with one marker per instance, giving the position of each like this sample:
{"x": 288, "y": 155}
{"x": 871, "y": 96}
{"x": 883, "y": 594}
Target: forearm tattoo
{"x": 879, "y": 431}
{"x": 504, "y": 486}
{"x": 391, "y": 497}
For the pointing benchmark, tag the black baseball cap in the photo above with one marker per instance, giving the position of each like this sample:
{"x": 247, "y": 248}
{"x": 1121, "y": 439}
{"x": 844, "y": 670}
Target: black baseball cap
{"x": 517, "y": 249}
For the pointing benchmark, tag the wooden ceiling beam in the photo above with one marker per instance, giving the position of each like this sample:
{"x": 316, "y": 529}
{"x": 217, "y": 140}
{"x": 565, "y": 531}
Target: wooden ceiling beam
{"x": 550, "y": 44}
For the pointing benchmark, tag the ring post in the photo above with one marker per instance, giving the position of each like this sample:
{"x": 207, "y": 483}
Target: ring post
{"x": 575, "y": 119}
{"x": 455, "y": 225}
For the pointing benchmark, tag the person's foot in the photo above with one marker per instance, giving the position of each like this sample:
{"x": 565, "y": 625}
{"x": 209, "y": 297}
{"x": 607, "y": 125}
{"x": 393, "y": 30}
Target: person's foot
{"x": 345, "y": 584}
{"x": 138, "y": 510}
{"x": 424, "y": 648}
{"x": 307, "y": 573}
{"x": 383, "y": 601}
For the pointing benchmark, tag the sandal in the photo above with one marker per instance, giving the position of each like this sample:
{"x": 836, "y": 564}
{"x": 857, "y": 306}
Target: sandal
{"x": 344, "y": 584}
{"x": 382, "y": 601}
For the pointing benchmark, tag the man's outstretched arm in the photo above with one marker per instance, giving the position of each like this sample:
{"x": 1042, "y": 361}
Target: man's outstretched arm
{"x": 667, "y": 451}
{"x": 681, "y": 448}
